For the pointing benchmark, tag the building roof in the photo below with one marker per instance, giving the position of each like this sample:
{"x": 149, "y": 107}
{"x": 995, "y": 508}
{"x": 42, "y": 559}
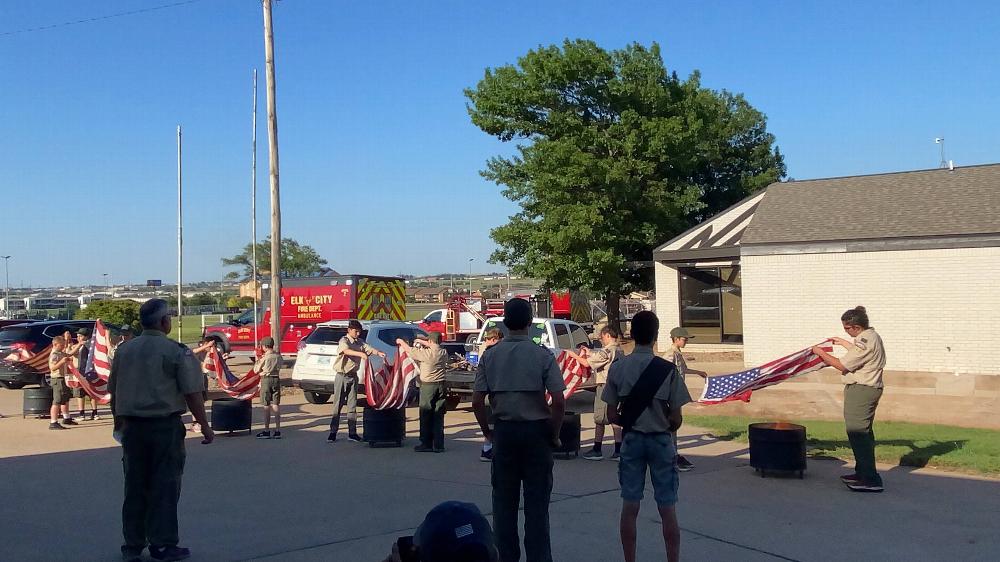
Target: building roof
{"x": 919, "y": 204}
{"x": 718, "y": 237}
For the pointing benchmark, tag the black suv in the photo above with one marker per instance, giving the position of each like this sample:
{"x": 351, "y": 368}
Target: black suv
{"x": 25, "y": 348}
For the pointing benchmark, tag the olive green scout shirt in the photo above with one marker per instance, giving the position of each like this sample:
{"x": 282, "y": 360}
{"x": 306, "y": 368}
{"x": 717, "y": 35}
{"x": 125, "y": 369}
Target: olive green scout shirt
{"x": 623, "y": 375}
{"x": 151, "y": 375}
{"x": 600, "y": 361}
{"x": 865, "y": 360}
{"x": 433, "y": 362}
{"x": 347, "y": 364}
{"x": 516, "y": 373}
{"x": 269, "y": 364}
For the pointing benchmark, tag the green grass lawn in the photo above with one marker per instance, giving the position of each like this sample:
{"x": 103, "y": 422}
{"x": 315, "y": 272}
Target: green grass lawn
{"x": 191, "y": 330}
{"x": 898, "y": 443}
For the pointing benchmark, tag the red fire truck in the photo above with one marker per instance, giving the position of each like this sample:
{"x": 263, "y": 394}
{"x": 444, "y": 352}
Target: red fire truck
{"x": 307, "y": 301}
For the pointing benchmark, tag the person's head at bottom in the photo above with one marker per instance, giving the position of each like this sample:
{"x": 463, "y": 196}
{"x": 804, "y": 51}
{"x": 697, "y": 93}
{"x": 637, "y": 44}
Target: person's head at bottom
{"x": 451, "y": 532}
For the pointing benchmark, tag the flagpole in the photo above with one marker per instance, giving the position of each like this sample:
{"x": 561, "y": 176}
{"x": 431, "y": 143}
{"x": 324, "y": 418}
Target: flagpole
{"x": 253, "y": 210}
{"x": 180, "y": 242}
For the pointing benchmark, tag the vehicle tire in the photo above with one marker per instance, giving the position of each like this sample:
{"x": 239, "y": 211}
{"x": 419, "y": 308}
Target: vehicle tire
{"x": 316, "y": 397}
{"x": 472, "y": 338}
{"x": 12, "y": 385}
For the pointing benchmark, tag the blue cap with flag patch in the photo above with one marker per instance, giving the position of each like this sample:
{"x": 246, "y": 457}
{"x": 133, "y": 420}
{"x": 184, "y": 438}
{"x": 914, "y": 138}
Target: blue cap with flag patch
{"x": 455, "y": 532}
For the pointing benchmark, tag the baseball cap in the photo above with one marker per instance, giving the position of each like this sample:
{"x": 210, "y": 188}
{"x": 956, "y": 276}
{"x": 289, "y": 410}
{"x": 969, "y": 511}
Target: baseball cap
{"x": 85, "y": 332}
{"x": 455, "y": 532}
{"x": 681, "y": 333}
{"x": 267, "y": 341}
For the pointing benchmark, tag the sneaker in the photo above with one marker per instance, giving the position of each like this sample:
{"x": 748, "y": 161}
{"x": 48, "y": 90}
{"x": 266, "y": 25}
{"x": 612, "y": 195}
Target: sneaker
{"x": 277, "y": 435}
{"x": 263, "y": 435}
{"x": 860, "y": 486}
{"x": 848, "y": 478}
{"x": 55, "y": 425}
{"x": 94, "y": 416}
{"x": 683, "y": 465}
{"x": 354, "y": 437}
{"x": 486, "y": 455}
{"x": 332, "y": 438}
{"x": 169, "y": 553}
{"x": 438, "y": 449}
{"x": 593, "y": 455}
{"x": 69, "y": 421}
{"x": 423, "y": 449}
{"x": 616, "y": 456}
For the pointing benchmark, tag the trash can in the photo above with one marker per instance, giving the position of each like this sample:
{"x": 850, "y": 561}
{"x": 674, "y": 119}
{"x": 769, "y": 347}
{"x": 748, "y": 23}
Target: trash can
{"x": 384, "y": 427}
{"x": 231, "y": 414}
{"x": 37, "y": 402}
{"x": 569, "y": 435}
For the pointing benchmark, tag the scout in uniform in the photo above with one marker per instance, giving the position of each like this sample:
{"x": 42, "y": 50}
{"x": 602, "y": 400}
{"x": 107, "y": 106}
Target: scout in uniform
{"x": 678, "y": 340}
{"x": 600, "y": 361}
{"x": 268, "y": 366}
{"x": 59, "y": 362}
{"x": 645, "y": 394}
{"x": 153, "y": 381}
{"x": 433, "y": 361}
{"x": 516, "y": 374}
{"x": 82, "y": 352}
{"x": 350, "y": 352}
{"x": 862, "y": 371}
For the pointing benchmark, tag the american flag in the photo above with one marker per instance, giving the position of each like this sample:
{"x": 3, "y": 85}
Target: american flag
{"x": 573, "y": 371}
{"x": 739, "y": 386}
{"x": 94, "y": 378}
{"x": 243, "y": 388}
{"x": 388, "y": 388}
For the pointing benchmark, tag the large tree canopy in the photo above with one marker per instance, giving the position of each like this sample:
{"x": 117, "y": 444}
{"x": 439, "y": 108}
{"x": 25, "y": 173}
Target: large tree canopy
{"x": 117, "y": 312}
{"x": 617, "y": 155}
{"x": 297, "y": 260}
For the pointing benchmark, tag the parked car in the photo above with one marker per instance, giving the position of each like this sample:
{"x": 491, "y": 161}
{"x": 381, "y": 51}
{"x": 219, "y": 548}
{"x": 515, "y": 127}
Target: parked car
{"x": 25, "y": 348}
{"x": 313, "y": 371}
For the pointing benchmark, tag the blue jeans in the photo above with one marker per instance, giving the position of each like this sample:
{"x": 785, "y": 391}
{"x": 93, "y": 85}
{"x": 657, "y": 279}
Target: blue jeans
{"x": 657, "y": 452}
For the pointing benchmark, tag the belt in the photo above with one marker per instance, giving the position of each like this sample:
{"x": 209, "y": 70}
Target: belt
{"x": 269, "y": 376}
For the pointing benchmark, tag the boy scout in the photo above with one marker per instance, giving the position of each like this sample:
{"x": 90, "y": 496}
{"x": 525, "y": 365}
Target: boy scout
{"x": 433, "y": 361}
{"x": 350, "y": 352}
{"x": 516, "y": 373}
{"x": 678, "y": 340}
{"x": 153, "y": 381}
{"x": 862, "y": 371}
{"x": 600, "y": 361}
{"x": 644, "y": 395}
{"x": 59, "y": 362}
{"x": 268, "y": 366}
{"x": 82, "y": 352}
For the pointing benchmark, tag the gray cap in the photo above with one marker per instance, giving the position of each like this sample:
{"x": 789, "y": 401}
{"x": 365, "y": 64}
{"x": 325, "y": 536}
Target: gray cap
{"x": 267, "y": 341}
{"x": 681, "y": 333}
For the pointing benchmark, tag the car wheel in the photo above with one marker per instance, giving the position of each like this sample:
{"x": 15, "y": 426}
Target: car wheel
{"x": 316, "y": 397}
{"x": 12, "y": 385}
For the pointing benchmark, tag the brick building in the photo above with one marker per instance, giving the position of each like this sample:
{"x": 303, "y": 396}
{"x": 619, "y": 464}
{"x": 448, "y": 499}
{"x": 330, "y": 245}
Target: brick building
{"x": 920, "y": 250}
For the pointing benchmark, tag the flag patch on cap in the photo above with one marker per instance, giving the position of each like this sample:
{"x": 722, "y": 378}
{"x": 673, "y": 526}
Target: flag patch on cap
{"x": 463, "y": 531}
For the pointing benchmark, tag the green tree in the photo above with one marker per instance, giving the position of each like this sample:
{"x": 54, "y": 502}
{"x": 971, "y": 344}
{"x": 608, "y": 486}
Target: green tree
{"x": 117, "y": 312}
{"x": 615, "y": 155}
{"x": 202, "y": 299}
{"x": 239, "y": 302}
{"x": 297, "y": 260}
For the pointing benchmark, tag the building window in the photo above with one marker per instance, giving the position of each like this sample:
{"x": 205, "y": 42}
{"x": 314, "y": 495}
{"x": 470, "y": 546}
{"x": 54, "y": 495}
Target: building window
{"x": 711, "y": 303}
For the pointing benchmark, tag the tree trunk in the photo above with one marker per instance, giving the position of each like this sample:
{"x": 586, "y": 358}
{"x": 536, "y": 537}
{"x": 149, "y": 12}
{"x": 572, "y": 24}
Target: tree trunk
{"x": 612, "y": 303}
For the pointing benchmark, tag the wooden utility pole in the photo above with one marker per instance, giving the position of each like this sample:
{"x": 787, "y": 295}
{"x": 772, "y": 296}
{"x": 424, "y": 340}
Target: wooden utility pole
{"x": 272, "y": 140}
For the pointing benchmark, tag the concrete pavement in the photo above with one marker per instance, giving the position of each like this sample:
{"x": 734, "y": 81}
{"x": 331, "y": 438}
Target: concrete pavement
{"x": 302, "y": 499}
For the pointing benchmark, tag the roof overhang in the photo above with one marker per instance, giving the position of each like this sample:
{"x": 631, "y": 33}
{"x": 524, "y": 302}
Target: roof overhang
{"x": 716, "y": 238}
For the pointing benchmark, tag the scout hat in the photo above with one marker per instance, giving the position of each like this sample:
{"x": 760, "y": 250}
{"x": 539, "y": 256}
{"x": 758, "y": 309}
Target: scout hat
{"x": 455, "y": 532}
{"x": 85, "y": 332}
{"x": 681, "y": 333}
{"x": 267, "y": 341}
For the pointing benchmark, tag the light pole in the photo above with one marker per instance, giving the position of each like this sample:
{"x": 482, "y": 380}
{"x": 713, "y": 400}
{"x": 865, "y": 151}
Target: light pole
{"x": 6, "y": 290}
{"x": 470, "y": 276}
{"x": 106, "y": 287}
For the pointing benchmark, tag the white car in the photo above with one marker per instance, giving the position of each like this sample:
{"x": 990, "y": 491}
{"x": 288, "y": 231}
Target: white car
{"x": 313, "y": 371}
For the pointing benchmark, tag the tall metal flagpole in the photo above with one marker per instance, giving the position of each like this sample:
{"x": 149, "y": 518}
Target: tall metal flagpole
{"x": 272, "y": 139}
{"x": 253, "y": 210}
{"x": 180, "y": 242}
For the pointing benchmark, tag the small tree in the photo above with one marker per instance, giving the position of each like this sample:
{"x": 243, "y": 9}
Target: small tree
{"x": 239, "y": 302}
{"x": 297, "y": 260}
{"x": 117, "y": 312}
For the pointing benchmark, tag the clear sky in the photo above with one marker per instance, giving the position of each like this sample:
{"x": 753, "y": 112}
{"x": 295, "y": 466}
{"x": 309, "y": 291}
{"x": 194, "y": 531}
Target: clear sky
{"x": 379, "y": 161}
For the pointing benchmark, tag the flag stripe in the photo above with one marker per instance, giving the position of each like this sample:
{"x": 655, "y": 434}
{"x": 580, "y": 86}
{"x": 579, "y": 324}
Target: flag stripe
{"x": 740, "y": 386}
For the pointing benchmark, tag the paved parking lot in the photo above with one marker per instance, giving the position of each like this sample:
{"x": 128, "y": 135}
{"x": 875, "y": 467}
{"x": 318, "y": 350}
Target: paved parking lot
{"x": 302, "y": 499}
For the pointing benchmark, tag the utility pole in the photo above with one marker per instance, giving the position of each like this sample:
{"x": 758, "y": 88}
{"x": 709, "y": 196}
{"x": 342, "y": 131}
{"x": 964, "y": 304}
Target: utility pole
{"x": 272, "y": 141}
{"x": 470, "y": 277}
{"x": 180, "y": 242}
{"x": 253, "y": 211}
{"x": 6, "y": 290}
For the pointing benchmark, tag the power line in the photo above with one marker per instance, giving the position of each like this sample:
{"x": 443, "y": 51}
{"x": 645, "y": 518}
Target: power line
{"x": 98, "y": 18}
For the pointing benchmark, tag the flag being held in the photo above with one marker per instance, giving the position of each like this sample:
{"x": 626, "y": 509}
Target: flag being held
{"x": 241, "y": 388}
{"x": 739, "y": 386}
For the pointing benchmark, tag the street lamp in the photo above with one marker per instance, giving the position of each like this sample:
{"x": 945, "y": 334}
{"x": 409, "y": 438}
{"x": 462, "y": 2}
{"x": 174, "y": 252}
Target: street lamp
{"x": 105, "y": 275}
{"x": 470, "y": 276}
{"x": 6, "y": 290}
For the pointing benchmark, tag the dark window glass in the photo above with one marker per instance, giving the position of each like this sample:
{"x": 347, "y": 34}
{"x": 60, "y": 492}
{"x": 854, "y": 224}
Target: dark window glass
{"x": 700, "y": 303}
{"x": 12, "y": 335}
{"x": 326, "y": 335}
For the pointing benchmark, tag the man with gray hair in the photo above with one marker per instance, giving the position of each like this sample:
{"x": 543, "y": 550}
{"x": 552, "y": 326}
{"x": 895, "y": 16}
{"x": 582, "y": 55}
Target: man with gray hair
{"x": 153, "y": 381}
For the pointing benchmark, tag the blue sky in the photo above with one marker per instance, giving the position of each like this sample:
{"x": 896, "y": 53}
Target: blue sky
{"x": 377, "y": 151}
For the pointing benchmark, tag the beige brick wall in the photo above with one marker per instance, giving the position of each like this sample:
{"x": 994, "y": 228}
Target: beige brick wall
{"x": 667, "y": 301}
{"x": 936, "y": 310}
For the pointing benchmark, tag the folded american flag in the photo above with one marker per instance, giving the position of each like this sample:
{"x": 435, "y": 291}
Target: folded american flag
{"x": 573, "y": 372}
{"x": 739, "y": 386}
{"x": 243, "y": 388}
{"x": 388, "y": 388}
{"x": 94, "y": 378}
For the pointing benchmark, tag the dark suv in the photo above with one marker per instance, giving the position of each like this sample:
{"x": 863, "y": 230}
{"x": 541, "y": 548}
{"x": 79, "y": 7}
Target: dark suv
{"x": 25, "y": 348}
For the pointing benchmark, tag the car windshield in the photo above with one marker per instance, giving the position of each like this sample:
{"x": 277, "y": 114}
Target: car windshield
{"x": 247, "y": 317}
{"x": 329, "y": 335}
{"x": 536, "y": 332}
{"x": 12, "y": 335}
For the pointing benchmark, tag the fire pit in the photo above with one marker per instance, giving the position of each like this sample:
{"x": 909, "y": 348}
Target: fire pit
{"x": 777, "y": 447}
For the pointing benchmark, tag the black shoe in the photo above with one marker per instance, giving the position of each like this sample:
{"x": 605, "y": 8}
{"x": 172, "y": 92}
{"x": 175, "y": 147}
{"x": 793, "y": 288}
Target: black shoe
{"x": 277, "y": 435}
{"x": 616, "y": 456}
{"x": 169, "y": 553}
{"x": 438, "y": 449}
{"x": 263, "y": 435}
{"x": 859, "y": 486}
{"x": 55, "y": 425}
{"x": 131, "y": 554}
{"x": 849, "y": 478}
{"x": 354, "y": 437}
{"x": 69, "y": 421}
{"x": 683, "y": 465}
{"x": 486, "y": 455}
{"x": 332, "y": 438}
{"x": 593, "y": 455}
{"x": 423, "y": 449}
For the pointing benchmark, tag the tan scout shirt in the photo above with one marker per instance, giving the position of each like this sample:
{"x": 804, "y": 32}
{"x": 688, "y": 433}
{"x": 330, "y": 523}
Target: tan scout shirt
{"x": 433, "y": 362}
{"x": 600, "y": 361}
{"x": 59, "y": 373}
{"x": 623, "y": 375}
{"x": 676, "y": 356}
{"x": 346, "y": 364}
{"x": 269, "y": 364}
{"x": 151, "y": 375}
{"x": 515, "y": 373}
{"x": 865, "y": 360}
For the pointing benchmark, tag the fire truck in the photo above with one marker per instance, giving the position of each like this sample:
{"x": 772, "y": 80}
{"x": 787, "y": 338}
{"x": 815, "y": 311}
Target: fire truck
{"x": 307, "y": 301}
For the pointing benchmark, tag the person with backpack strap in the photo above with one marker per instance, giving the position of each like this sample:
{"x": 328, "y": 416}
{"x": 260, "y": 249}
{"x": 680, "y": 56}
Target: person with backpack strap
{"x": 644, "y": 394}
